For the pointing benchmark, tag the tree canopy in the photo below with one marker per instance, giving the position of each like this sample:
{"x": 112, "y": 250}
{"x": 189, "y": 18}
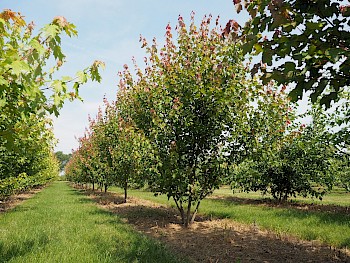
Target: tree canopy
{"x": 305, "y": 43}
{"x": 29, "y": 93}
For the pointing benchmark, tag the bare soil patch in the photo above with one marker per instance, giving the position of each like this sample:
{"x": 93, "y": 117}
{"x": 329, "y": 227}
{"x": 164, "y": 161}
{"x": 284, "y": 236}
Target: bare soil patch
{"x": 15, "y": 200}
{"x": 218, "y": 240}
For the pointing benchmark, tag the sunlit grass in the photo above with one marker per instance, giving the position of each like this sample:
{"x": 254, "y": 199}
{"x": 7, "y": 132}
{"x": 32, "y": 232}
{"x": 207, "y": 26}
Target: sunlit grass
{"x": 338, "y": 196}
{"x": 330, "y": 228}
{"x": 61, "y": 225}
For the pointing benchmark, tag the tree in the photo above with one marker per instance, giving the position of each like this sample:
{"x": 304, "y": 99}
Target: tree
{"x": 192, "y": 103}
{"x": 301, "y": 42}
{"x": 29, "y": 93}
{"x": 126, "y": 150}
{"x": 27, "y": 83}
{"x": 303, "y": 45}
{"x": 63, "y": 159}
{"x": 299, "y": 162}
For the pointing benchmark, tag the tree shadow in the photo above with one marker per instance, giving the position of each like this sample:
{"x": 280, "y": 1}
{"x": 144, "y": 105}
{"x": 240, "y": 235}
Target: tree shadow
{"x": 325, "y": 214}
{"x": 20, "y": 249}
{"x": 223, "y": 240}
{"x": 329, "y": 208}
{"x": 216, "y": 240}
{"x": 133, "y": 246}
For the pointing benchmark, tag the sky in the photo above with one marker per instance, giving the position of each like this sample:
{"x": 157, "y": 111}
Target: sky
{"x": 109, "y": 30}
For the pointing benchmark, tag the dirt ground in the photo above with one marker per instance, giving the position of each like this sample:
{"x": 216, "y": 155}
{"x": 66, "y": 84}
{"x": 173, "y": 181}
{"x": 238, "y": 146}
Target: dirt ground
{"x": 216, "y": 240}
{"x": 209, "y": 240}
{"x": 17, "y": 199}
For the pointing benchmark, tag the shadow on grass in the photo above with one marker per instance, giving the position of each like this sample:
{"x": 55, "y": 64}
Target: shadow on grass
{"x": 22, "y": 248}
{"x": 217, "y": 240}
{"x": 130, "y": 245}
{"x": 290, "y": 204}
{"x": 325, "y": 214}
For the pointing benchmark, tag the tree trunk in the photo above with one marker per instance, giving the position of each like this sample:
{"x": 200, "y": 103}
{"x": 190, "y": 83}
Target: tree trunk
{"x": 188, "y": 214}
{"x": 125, "y": 190}
{"x": 93, "y": 186}
{"x": 181, "y": 210}
{"x": 106, "y": 186}
{"x": 195, "y": 212}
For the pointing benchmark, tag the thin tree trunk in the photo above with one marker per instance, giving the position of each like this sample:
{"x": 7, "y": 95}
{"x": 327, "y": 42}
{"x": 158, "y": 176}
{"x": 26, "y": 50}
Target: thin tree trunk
{"x": 106, "y": 186}
{"x": 125, "y": 190}
{"x": 188, "y": 216}
{"x": 195, "y": 212}
{"x": 181, "y": 210}
{"x": 93, "y": 186}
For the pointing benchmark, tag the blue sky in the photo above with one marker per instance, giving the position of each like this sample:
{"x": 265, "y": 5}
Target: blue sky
{"x": 109, "y": 30}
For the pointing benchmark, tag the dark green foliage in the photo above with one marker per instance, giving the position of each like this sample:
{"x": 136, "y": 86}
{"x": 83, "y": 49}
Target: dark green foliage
{"x": 63, "y": 159}
{"x": 299, "y": 163}
{"x": 301, "y": 42}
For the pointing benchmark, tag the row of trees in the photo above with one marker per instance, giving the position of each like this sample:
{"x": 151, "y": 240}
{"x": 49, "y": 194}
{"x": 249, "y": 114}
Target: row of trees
{"x": 194, "y": 119}
{"x": 28, "y": 95}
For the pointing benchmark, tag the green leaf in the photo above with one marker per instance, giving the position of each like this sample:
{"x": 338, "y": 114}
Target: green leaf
{"x": 19, "y": 67}
{"x": 50, "y": 30}
{"x": 66, "y": 78}
{"x": 34, "y": 43}
{"x": 2, "y": 102}
{"x": 82, "y": 78}
{"x": 57, "y": 100}
{"x": 258, "y": 48}
{"x": 3, "y": 81}
{"x": 57, "y": 86}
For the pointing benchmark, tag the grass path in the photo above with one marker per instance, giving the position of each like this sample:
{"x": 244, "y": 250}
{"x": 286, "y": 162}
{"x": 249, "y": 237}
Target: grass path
{"x": 331, "y": 228}
{"x": 61, "y": 225}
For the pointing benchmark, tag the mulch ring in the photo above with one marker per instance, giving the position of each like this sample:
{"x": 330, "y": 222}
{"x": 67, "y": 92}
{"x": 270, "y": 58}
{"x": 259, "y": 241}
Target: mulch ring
{"x": 215, "y": 240}
{"x": 14, "y": 200}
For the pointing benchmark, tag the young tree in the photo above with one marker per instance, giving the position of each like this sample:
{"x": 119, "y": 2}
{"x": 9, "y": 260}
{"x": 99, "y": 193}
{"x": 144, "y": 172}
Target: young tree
{"x": 298, "y": 162}
{"x": 192, "y": 103}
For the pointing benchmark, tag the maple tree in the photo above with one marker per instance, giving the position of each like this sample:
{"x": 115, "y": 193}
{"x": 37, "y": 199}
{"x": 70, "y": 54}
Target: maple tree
{"x": 294, "y": 160}
{"x": 29, "y": 93}
{"x": 303, "y": 45}
{"x": 26, "y": 79}
{"x": 192, "y": 102}
{"x": 301, "y": 42}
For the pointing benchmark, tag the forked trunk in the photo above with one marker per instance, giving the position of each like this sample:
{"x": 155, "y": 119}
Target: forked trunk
{"x": 186, "y": 218}
{"x": 181, "y": 209}
{"x": 188, "y": 214}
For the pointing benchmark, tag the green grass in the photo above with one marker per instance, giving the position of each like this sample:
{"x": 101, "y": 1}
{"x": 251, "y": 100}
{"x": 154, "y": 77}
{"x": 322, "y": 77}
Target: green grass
{"x": 338, "y": 196}
{"x": 61, "y": 225}
{"x": 330, "y": 228}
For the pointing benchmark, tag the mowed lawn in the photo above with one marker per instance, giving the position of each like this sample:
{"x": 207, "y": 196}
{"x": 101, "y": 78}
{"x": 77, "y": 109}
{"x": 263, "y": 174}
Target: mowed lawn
{"x": 325, "y": 225}
{"x": 61, "y": 225}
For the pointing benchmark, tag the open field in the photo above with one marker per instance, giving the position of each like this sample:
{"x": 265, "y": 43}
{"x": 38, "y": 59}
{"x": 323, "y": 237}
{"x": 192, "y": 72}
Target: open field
{"x": 60, "y": 225}
{"x": 329, "y": 224}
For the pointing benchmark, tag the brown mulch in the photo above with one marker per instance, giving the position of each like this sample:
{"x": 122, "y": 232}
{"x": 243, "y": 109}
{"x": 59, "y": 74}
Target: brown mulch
{"x": 14, "y": 200}
{"x": 218, "y": 240}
